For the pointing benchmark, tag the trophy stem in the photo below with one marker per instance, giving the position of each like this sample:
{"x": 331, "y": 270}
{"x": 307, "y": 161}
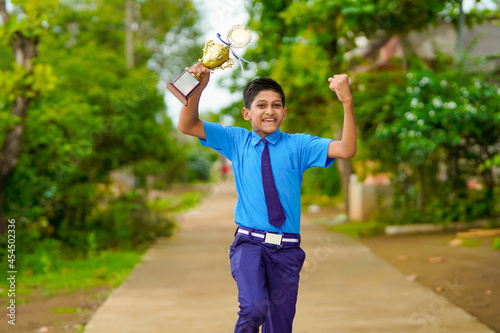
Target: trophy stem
{"x": 196, "y": 77}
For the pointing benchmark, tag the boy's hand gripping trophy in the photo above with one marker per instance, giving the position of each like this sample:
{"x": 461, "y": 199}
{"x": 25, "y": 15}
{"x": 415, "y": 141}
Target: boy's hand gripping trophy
{"x": 214, "y": 56}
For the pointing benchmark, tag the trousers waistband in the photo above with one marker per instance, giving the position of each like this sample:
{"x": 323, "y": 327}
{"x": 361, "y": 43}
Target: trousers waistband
{"x": 270, "y": 237}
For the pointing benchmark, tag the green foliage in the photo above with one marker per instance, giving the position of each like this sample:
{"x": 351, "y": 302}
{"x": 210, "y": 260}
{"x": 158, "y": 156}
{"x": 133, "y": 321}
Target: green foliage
{"x": 199, "y": 163}
{"x": 80, "y": 255}
{"x": 7, "y": 122}
{"x": 28, "y": 80}
{"x": 439, "y": 119}
{"x": 91, "y": 115}
{"x": 126, "y": 222}
{"x": 321, "y": 181}
{"x": 365, "y": 229}
{"x": 19, "y": 82}
{"x": 177, "y": 203}
{"x": 31, "y": 24}
{"x": 495, "y": 243}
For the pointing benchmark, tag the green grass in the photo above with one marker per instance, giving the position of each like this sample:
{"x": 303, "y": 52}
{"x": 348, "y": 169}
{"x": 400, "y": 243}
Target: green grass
{"x": 177, "y": 203}
{"x": 358, "y": 229}
{"x": 495, "y": 243}
{"x": 468, "y": 242}
{"x": 109, "y": 268}
{"x": 51, "y": 270}
{"x": 70, "y": 310}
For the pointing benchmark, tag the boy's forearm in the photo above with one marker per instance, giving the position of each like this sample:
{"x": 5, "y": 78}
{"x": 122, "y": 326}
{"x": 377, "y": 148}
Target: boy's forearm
{"x": 189, "y": 121}
{"x": 349, "y": 132}
{"x": 189, "y": 115}
{"x": 346, "y": 147}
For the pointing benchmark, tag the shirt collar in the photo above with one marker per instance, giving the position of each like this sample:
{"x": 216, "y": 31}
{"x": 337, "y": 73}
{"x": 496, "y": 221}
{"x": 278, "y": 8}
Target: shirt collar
{"x": 272, "y": 138}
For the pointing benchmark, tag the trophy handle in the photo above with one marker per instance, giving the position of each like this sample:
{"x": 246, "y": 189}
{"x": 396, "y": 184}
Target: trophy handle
{"x": 208, "y": 45}
{"x": 228, "y": 63}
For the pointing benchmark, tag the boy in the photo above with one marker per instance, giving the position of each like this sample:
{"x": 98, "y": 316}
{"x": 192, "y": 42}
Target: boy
{"x": 265, "y": 256}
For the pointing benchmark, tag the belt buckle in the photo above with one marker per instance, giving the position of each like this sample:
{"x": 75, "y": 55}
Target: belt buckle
{"x": 272, "y": 238}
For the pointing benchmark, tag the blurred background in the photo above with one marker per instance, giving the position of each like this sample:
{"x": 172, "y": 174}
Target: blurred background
{"x": 92, "y": 168}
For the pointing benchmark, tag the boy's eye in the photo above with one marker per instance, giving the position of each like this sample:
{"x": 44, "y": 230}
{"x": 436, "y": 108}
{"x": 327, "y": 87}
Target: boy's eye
{"x": 261, "y": 105}
{"x": 277, "y": 105}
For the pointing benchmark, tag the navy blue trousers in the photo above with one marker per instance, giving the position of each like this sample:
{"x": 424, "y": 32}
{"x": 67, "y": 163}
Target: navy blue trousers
{"x": 268, "y": 281}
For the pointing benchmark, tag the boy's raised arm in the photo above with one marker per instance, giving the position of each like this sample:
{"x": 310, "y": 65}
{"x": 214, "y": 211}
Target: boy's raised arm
{"x": 189, "y": 121}
{"x": 346, "y": 147}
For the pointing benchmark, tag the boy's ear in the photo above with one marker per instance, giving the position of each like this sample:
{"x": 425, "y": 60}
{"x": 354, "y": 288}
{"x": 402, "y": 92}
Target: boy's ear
{"x": 284, "y": 114}
{"x": 246, "y": 114}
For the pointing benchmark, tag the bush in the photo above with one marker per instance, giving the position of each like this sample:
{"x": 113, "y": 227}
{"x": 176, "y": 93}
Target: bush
{"x": 199, "y": 163}
{"x": 125, "y": 223}
{"x": 435, "y": 135}
{"x": 321, "y": 181}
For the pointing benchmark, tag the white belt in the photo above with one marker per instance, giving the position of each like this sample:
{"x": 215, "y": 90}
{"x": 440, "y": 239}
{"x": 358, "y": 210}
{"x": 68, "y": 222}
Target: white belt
{"x": 268, "y": 237}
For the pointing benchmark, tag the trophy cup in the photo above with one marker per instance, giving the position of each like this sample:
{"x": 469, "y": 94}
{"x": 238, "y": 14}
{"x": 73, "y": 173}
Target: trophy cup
{"x": 214, "y": 56}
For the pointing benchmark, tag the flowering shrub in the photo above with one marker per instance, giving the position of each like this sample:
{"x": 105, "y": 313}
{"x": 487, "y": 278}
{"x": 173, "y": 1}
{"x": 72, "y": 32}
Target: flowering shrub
{"x": 434, "y": 131}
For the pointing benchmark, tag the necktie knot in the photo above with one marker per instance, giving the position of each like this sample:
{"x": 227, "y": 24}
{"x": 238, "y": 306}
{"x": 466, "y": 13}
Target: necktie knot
{"x": 264, "y": 141}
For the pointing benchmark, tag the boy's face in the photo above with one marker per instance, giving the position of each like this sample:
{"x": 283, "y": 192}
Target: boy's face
{"x": 266, "y": 112}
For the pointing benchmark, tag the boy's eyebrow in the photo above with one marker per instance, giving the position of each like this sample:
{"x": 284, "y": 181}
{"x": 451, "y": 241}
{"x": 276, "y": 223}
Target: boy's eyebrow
{"x": 263, "y": 100}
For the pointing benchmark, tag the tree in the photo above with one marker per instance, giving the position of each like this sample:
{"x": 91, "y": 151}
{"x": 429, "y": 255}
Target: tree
{"x": 27, "y": 79}
{"x": 93, "y": 114}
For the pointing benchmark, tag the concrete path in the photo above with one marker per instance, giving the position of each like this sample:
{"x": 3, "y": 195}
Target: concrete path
{"x": 184, "y": 285}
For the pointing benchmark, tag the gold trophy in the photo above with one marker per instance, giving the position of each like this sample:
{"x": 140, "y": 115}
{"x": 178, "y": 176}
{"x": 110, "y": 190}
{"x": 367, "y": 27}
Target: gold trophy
{"x": 214, "y": 56}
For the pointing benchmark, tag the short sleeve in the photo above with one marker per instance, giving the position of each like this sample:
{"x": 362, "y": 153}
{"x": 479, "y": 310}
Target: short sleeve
{"x": 314, "y": 152}
{"x": 219, "y": 138}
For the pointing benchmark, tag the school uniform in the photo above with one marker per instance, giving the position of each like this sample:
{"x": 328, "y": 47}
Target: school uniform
{"x": 266, "y": 260}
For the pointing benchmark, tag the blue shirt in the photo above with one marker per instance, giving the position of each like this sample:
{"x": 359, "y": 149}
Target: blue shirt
{"x": 291, "y": 155}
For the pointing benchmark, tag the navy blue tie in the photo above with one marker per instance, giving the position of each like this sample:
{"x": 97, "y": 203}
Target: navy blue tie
{"x": 274, "y": 208}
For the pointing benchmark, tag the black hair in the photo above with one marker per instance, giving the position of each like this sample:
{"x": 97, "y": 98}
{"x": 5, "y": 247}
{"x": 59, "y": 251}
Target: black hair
{"x": 254, "y": 87}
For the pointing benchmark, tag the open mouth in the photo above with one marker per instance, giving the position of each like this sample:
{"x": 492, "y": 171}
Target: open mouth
{"x": 269, "y": 120}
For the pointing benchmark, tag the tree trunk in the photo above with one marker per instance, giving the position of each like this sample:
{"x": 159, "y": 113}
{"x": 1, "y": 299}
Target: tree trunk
{"x": 24, "y": 51}
{"x": 453, "y": 172}
{"x": 3, "y": 224}
{"x": 489, "y": 181}
{"x": 420, "y": 188}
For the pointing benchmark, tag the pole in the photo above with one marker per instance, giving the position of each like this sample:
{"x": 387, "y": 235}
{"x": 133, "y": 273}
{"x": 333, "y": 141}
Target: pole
{"x": 129, "y": 34}
{"x": 461, "y": 24}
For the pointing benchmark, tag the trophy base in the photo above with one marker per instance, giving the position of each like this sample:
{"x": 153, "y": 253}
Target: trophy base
{"x": 184, "y": 87}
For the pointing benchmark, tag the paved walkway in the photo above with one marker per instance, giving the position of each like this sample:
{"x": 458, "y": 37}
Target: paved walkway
{"x": 184, "y": 285}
